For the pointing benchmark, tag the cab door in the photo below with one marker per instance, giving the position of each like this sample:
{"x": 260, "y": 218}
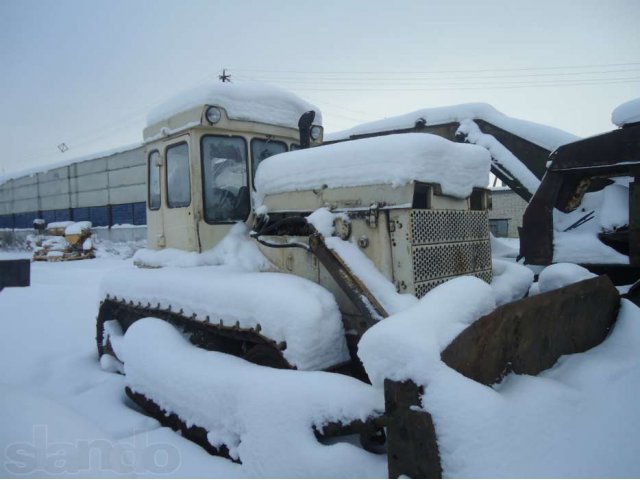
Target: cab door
{"x": 178, "y": 210}
{"x": 155, "y": 214}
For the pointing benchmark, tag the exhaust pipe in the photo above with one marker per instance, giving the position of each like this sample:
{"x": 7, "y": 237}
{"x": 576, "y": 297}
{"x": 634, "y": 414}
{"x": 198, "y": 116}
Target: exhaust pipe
{"x": 304, "y": 125}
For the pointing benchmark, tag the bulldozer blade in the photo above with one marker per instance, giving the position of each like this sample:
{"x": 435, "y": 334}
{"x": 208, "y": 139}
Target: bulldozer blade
{"x": 529, "y": 335}
{"x": 524, "y": 337}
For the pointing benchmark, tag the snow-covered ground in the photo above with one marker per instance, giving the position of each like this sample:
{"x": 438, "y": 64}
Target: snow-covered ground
{"x": 64, "y": 416}
{"x": 61, "y": 415}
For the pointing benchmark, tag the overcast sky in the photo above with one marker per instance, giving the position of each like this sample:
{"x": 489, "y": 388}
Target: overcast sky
{"x": 86, "y": 72}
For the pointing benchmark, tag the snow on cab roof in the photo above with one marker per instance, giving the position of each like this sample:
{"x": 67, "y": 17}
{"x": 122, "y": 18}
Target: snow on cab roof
{"x": 392, "y": 159}
{"x": 547, "y": 137}
{"x": 248, "y": 101}
{"x": 628, "y": 112}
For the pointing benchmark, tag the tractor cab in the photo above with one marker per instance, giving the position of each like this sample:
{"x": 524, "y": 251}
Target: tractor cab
{"x": 203, "y": 149}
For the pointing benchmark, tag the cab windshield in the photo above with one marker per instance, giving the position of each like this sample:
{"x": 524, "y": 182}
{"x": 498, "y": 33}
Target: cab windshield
{"x": 225, "y": 179}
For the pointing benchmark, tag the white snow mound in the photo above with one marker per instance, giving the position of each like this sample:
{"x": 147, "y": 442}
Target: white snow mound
{"x": 77, "y": 228}
{"x": 511, "y": 281}
{"x": 392, "y": 159}
{"x": 263, "y": 415}
{"x": 60, "y": 225}
{"x": 248, "y": 101}
{"x": 288, "y": 308}
{"x": 562, "y": 274}
{"x": 408, "y": 345}
{"x": 235, "y": 250}
{"x": 542, "y": 135}
{"x": 628, "y": 112}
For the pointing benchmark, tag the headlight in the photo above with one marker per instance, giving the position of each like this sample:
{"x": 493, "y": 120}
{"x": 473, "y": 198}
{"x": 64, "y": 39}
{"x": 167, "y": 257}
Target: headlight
{"x": 213, "y": 115}
{"x": 315, "y": 133}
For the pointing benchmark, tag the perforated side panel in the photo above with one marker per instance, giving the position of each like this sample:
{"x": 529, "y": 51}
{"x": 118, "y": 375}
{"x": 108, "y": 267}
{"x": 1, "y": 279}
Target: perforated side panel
{"x": 440, "y": 226}
{"x": 445, "y": 260}
{"x": 424, "y": 287}
{"x": 446, "y": 244}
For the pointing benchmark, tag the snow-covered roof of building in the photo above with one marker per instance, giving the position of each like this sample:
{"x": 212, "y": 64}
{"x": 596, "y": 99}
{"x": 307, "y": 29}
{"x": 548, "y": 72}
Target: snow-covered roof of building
{"x": 248, "y": 101}
{"x": 542, "y": 135}
{"x": 391, "y": 159}
{"x": 628, "y": 112}
{"x": 63, "y": 163}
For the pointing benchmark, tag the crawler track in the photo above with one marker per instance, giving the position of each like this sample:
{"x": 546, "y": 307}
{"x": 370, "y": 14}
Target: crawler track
{"x": 245, "y": 343}
{"x": 370, "y": 433}
{"x": 249, "y": 344}
{"x": 194, "y": 433}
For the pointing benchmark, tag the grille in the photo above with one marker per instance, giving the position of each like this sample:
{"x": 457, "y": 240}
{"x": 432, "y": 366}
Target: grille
{"x": 446, "y": 244}
{"x": 450, "y": 259}
{"x": 423, "y": 288}
{"x": 441, "y": 226}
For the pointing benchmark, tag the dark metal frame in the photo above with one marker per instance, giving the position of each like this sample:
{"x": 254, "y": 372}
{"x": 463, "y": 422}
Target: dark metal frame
{"x": 574, "y": 167}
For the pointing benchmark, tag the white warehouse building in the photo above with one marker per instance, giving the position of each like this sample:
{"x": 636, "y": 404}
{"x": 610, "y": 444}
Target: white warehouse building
{"x": 506, "y": 213}
{"x": 107, "y": 189}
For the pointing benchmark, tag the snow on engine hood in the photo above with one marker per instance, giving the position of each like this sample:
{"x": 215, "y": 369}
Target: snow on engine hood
{"x": 248, "y": 101}
{"x": 393, "y": 159}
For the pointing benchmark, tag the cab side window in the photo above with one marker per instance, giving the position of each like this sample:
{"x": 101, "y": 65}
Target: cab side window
{"x": 154, "y": 181}
{"x": 178, "y": 180}
{"x": 261, "y": 149}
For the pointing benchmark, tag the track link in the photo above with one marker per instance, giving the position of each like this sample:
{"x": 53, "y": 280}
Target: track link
{"x": 245, "y": 343}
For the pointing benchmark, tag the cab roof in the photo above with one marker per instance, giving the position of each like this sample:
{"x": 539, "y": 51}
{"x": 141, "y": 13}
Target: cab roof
{"x": 245, "y": 101}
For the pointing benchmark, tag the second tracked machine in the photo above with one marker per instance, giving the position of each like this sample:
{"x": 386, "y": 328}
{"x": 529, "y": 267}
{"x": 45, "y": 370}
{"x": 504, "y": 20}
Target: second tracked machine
{"x": 287, "y": 261}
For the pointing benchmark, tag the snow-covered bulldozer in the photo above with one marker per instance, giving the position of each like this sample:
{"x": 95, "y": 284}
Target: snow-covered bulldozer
{"x": 340, "y": 236}
{"x": 393, "y": 216}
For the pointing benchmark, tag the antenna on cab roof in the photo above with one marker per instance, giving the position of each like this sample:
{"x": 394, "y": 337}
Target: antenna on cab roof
{"x": 224, "y": 77}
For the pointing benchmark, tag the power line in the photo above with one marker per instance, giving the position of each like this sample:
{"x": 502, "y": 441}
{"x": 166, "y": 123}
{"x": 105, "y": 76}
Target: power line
{"x": 414, "y": 79}
{"x": 376, "y": 72}
{"x": 469, "y": 87}
{"x": 134, "y": 115}
{"x": 459, "y": 82}
{"x": 308, "y": 83}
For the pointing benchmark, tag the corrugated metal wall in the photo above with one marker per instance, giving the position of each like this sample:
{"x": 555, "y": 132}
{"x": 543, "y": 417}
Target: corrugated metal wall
{"x": 107, "y": 191}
